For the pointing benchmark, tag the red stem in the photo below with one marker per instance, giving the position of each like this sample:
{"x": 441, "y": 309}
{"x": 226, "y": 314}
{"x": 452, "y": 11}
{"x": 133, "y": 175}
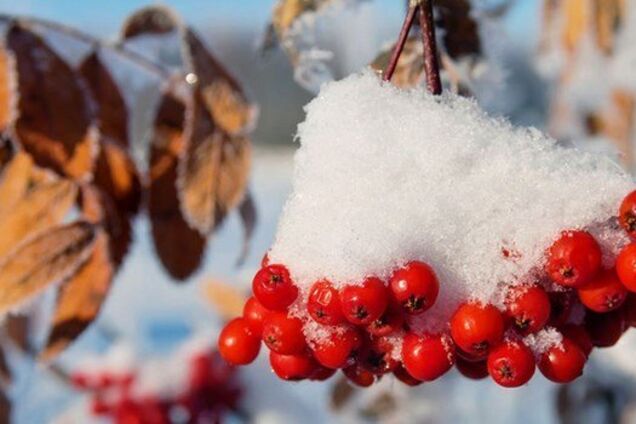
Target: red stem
{"x": 399, "y": 46}
{"x": 431, "y": 61}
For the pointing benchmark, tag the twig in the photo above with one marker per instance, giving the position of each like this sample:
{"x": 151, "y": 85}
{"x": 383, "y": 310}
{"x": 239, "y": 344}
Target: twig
{"x": 94, "y": 42}
{"x": 399, "y": 46}
{"x": 431, "y": 61}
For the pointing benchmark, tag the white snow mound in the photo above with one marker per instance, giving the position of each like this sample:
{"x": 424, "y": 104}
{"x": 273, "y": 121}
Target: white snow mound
{"x": 385, "y": 175}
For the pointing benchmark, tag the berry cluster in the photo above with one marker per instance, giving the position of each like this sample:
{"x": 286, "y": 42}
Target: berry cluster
{"x": 370, "y": 329}
{"x": 210, "y": 391}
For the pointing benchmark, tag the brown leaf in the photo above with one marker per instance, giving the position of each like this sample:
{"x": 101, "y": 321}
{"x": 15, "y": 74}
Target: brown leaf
{"x": 409, "y": 71}
{"x": 116, "y": 174}
{"x": 80, "y": 299}
{"x": 179, "y": 247}
{"x": 54, "y": 122}
{"x": 18, "y": 329}
{"x": 8, "y": 94}
{"x": 112, "y": 113}
{"x": 150, "y": 20}
{"x": 42, "y": 207}
{"x": 213, "y": 173}
{"x": 247, "y": 213}
{"x": 287, "y": 11}
{"x": 460, "y": 30}
{"x": 43, "y": 260}
{"x": 14, "y": 181}
{"x": 226, "y": 299}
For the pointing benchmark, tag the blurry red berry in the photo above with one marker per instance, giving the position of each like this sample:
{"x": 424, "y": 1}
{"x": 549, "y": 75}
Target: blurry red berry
{"x": 562, "y": 363}
{"x": 403, "y": 375}
{"x": 561, "y": 304}
{"x": 363, "y": 304}
{"x": 626, "y": 267}
{"x": 323, "y": 304}
{"x": 475, "y": 328}
{"x": 254, "y": 313}
{"x": 511, "y": 364}
{"x": 426, "y": 357}
{"x": 529, "y": 308}
{"x": 237, "y": 344}
{"x": 283, "y": 334}
{"x": 605, "y": 329}
{"x": 627, "y": 214}
{"x": 415, "y": 287}
{"x": 80, "y": 380}
{"x": 274, "y": 288}
{"x": 100, "y": 407}
{"x": 392, "y": 320}
{"x": 377, "y": 356}
{"x": 475, "y": 370}
{"x": 579, "y": 335}
{"x": 359, "y": 376}
{"x": 321, "y": 373}
{"x": 603, "y": 293}
{"x": 292, "y": 367}
{"x": 573, "y": 259}
{"x": 337, "y": 350}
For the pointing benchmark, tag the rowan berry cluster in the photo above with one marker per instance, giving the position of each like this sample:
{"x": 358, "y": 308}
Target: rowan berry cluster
{"x": 369, "y": 331}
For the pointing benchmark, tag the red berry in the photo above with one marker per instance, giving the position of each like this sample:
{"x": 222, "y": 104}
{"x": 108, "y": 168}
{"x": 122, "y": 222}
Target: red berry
{"x": 511, "y": 364}
{"x": 573, "y": 259}
{"x": 627, "y": 213}
{"x": 321, "y": 373}
{"x": 359, "y": 376}
{"x": 403, "y": 375}
{"x": 283, "y": 334}
{"x": 80, "y": 380}
{"x": 99, "y": 406}
{"x": 392, "y": 320}
{"x": 274, "y": 288}
{"x": 471, "y": 369}
{"x": 363, "y": 304}
{"x": 292, "y": 367}
{"x": 561, "y": 304}
{"x": 476, "y": 327}
{"x": 562, "y": 363}
{"x": 377, "y": 356}
{"x": 579, "y": 335}
{"x": 426, "y": 357}
{"x": 415, "y": 287}
{"x": 323, "y": 304}
{"x": 337, "y": 350}
{"x": 605, "y": 329}
{"x": 626, "y": 267}
{"x": 237, "y": 344}
{"x": 529, "y": 308}
{"x": 604, "y": 293}
{"x": 254, "y": 313}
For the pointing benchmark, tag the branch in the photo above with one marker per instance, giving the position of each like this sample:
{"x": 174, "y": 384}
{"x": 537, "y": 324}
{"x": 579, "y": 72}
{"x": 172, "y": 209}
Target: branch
{"x": 431, "y": 61}
{"x": 399, "y": 46}
{"x": 143, "y": 62}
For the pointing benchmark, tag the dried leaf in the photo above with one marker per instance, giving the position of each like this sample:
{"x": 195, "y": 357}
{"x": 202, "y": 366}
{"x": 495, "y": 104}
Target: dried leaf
{"x": 150, "y": 20}
{"x": 341, "y": 393}
{"x": 43, "y": 260}
{"x": 116, "y": 174}
{"x": 226, "y": 299}
{"x": 14, "y": 181}
{"x": 5, "y": 371}
{"x": 179, "y": 247}
{"x": 42, "y": 207}
{"x": 213, "y": 173}
{"x": 18, "y": 329}
{"x": 8, "y": 94}
{"x": 460, "y": 30}
{"x": 247, "y": 213}
{"x": 380, "y": 407}
{"x": 54, "y": 122}
{"x": 409, "y": 71}
{"x": 112, "y": 113}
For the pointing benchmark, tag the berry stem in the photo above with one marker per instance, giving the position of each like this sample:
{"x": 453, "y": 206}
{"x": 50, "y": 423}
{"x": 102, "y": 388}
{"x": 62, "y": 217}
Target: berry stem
{"x": 431, "y": 61}
{"x": 399, "y": 46}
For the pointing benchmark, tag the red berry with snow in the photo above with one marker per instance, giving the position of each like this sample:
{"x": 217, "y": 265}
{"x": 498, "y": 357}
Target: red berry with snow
{"x": 415, "y": 287}
{"x": 604, "y": 293}
{"x": 339, "y": 349}
{"x": 323, "y": 304}
{"x": 391, "y": 321}
{"x": 283, "y": 334}
{"x": 363, "y": 304}
{"x": 511, "y": 364}
{"x": 274, "y": 288}
{"x": 529, "y": 308}
{"x": 626, "y": 267}
{"x": 627, "y": 214}
{"x": 237, "y": 344}
{"x": 254, "y": 313}
{"x": 426, "y": 357}
{"x": 377, "y": 356}
{"x": 475, "y": 328}
{"x": 573, "y": 259}
{"x": 292, "y": 367}
{"x": 562, "y": 363}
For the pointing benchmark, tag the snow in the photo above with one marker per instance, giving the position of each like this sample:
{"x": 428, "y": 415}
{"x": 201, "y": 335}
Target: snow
{"x": 385, "y": 175}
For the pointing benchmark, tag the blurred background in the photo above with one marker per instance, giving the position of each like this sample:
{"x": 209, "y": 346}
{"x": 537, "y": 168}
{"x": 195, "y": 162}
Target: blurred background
{"x": 526, "y": 70}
